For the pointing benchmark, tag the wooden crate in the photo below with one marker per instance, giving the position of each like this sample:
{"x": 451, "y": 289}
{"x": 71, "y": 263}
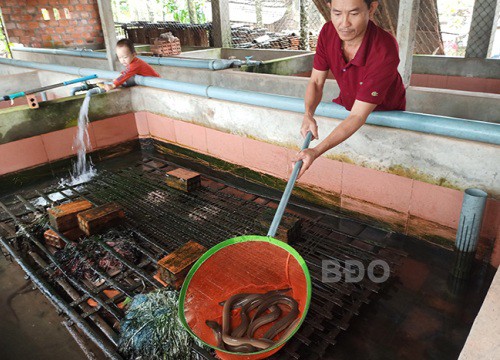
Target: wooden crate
{"x": 174, "y": 267}
{"x": 64, "y": 217}
{"x": 182, "y": 179}
{"x": 100, "y": 218}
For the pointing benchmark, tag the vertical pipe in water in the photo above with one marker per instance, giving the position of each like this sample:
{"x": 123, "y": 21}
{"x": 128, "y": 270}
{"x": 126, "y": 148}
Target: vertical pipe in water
{"x": 468, "y": 231}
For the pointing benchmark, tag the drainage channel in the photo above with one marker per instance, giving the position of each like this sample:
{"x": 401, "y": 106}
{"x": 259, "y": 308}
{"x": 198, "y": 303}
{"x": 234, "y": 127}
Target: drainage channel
{"x": 160, "y": 219}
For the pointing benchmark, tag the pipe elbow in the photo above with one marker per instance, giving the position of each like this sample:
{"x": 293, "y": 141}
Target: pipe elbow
{"x": 221, "y": 64}
{"x": 96, "y": 90}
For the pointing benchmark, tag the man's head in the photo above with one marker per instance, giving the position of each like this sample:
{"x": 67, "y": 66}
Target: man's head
{"x": 125, "y": 51}
{"x": 350, "y": 17}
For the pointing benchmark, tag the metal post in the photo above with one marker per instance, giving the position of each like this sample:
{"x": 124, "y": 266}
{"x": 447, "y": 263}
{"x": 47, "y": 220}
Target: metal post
{"x": 407, "y": 30}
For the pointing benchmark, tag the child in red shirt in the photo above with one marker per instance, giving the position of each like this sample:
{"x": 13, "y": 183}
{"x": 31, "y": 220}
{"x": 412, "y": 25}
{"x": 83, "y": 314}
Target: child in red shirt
{"x": 126, "y": 54}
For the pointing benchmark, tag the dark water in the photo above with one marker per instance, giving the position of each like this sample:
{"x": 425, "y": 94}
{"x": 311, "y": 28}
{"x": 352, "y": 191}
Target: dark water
{"x": 425, "y": 314}
{"x": 421, "y": 314}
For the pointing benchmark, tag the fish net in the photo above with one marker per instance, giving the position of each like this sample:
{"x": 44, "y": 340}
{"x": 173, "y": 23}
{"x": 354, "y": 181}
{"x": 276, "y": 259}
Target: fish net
{"x": 241, "y": 265}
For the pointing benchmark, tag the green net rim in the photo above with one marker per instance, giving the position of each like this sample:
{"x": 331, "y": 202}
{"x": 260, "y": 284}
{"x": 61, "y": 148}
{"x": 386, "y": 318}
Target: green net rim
{"x": 233, "y": 241}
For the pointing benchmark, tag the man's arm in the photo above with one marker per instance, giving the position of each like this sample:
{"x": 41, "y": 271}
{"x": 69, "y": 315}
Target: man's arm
{"x": 343, "y": 131}
{"x": 314, "y": 93}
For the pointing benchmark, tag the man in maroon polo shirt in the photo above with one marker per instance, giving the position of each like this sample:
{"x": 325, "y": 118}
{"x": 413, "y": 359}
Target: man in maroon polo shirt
{"x": 364, "y": 60}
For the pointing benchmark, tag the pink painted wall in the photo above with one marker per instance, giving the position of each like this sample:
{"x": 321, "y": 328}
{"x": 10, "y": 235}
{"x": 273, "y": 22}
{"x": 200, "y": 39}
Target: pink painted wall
{"x": 42, "y": 149}
{"x": 412, "y": 207}
{"x": 446, "y": 82}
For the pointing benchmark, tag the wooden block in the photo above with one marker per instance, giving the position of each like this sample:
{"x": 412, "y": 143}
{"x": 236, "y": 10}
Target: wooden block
{"x": 289, "y": 229}
{"x": 51, "y": 237}
{"x": 174, "y": 267}
{"x": 64, "y": 217}
{"x": 99, "y": 218}
{"x": 184, "y": 180}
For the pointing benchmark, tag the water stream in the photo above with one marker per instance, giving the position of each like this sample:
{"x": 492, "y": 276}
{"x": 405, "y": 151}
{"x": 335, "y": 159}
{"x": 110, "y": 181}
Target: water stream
{"x": 83, "y": 169}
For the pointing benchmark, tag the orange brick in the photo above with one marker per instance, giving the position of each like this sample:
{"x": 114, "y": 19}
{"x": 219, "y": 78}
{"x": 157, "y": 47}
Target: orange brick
{"x": 183, "y": 179}
{"x": 174, "y": 267}
{"x": 99, "y": 218}
{"x": 64, "y": 217}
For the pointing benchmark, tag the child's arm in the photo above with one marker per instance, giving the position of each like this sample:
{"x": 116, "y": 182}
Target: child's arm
{"x": 130, "y": 71}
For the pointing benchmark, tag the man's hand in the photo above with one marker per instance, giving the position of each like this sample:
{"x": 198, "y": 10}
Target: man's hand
{"x": 309, "y": 124}
{"x": 307, "y": 156}
{"x": 108, "y": 87}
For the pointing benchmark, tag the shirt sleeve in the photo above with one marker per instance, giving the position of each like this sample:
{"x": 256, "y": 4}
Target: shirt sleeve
{"x": 377, "y": 81}
{"x": 132, "y": 70}
{"x": 321, "y": 62}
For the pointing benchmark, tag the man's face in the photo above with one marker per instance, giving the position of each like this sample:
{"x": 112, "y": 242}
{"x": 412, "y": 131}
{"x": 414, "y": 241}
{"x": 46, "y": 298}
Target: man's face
{"x": 350, "y": 18}
{"x": 124, "y": 55}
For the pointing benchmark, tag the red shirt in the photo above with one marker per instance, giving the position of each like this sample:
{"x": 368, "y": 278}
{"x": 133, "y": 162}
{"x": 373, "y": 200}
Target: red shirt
{"x": 372, "y": 76}
{"x": 136, "y": 67}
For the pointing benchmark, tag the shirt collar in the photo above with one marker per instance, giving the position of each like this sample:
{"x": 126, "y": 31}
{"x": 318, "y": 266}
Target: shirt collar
{"x": 360, "y": 57}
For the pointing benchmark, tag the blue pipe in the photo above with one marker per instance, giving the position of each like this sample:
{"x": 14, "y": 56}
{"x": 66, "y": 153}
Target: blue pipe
{"x": 44, "y": 88}
{"x": 210, "y": 64}
{"x": 81, "y": 53}
{"x": 431, "y": 124}
{"x": 288, "y": 190}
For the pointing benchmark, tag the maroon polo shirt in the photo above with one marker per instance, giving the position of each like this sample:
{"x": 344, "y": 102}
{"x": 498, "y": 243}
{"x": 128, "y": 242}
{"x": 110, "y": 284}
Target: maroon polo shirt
{"x": 372, "y": 76}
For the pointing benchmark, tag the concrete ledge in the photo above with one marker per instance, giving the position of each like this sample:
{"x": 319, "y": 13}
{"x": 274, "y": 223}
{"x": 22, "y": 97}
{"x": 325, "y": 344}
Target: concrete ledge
{"x": 21, "y": 122}
{"x": 483, "y": 341}
{"x": 466, "y": 105}
{"x": 455, "y": 66}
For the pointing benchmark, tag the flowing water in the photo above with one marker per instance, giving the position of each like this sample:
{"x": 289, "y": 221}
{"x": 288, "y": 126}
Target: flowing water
{"x": 83, "y": 169}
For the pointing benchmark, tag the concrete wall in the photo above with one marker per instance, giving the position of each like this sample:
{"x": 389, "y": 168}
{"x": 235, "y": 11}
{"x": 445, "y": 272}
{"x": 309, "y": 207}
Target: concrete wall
{"x": 482, "y": 342}
{"x": 466, "y": 105}
{"x": 61, "y": 60}
{"x": 409, "y": 181}
{"x": 11, "y": 83}
{"x": 464, "y": 67}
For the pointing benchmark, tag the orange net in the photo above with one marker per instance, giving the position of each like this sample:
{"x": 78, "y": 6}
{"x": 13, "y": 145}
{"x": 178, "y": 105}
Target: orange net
{"x": 245, "y": 267}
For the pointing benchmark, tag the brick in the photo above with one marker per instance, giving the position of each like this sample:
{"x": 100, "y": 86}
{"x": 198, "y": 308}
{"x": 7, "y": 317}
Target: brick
{"x": 289, "y": 229}
{"x": 99, "y": 218}
{"x": 182, "y": 179}
{"x": 174, "y": 267}
{"x": 64, "y": 217}
{"x": 51, "y": 237}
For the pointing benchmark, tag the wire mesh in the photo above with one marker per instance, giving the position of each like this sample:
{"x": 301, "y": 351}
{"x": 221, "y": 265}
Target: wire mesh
{"x": 482, "y": 24}
{"x": 456, "y": 28}
{"x": 262, "y": 24}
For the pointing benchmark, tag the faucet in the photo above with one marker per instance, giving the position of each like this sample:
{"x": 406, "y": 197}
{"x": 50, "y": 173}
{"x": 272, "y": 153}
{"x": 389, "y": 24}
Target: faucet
{"x": 84, "y": 87}
{"x": 250, "y": 62}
